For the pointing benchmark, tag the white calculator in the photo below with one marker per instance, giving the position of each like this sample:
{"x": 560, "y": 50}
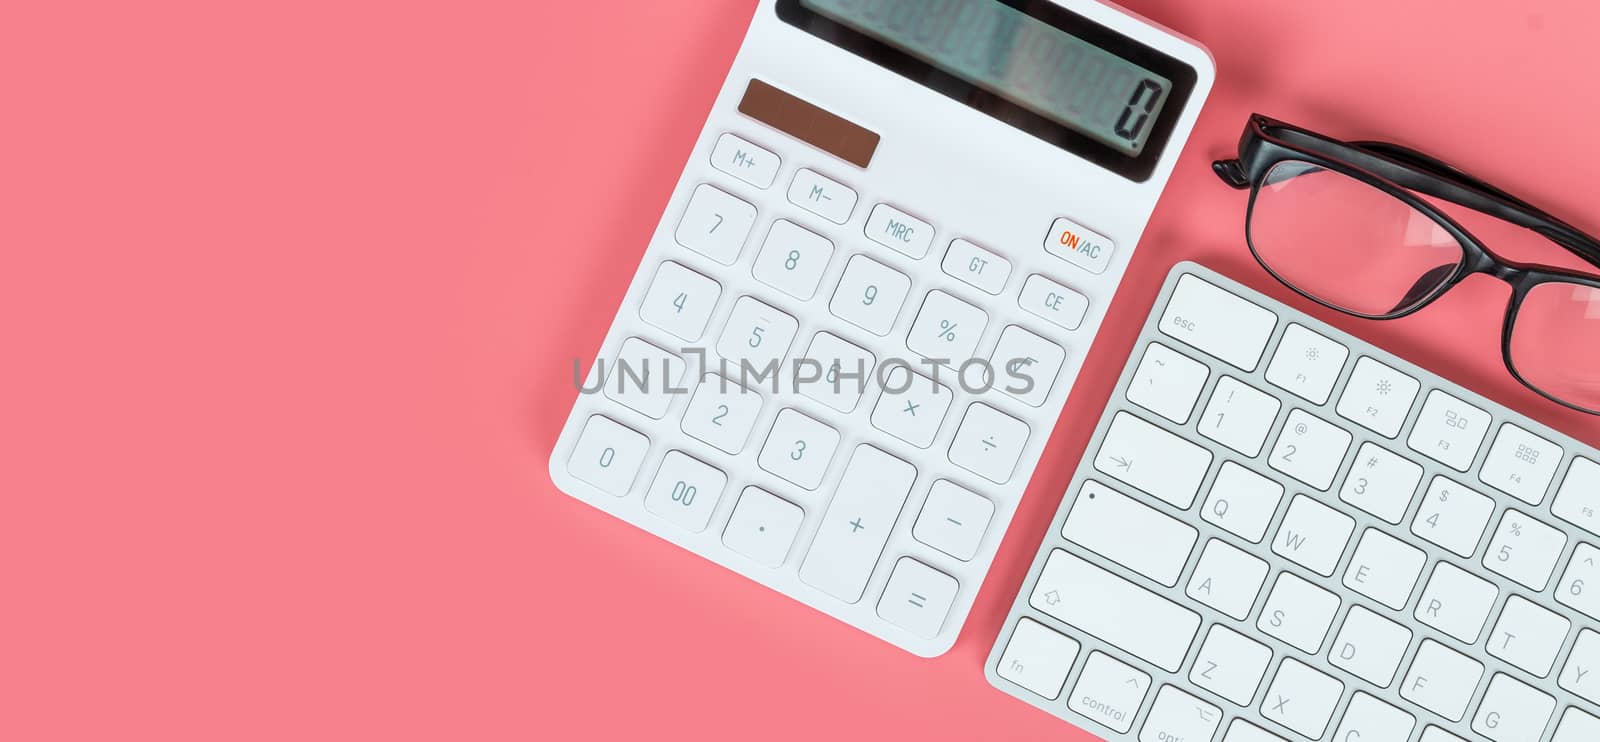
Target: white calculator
{"x": 869, "y": 296}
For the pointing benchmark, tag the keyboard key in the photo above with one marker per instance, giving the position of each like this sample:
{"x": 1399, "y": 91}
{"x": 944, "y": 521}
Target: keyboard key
{"x": 1377, "y": 397}
{"x": 744, "y": 161}
{"x": 798, "y": 449}
{"x": 1369, "y": 646}
{"x": 1528, "y": 636}
{"x": 722, "y": 413}
{"x": 1309, "y": 449}
{"x": 1449, "y": 431}
{"x": 1441, "y": 680}
{"x": 1179, "y": 716}
{"x": 1453, "y": 516}
{"x": 685, "y": 491}
{"x": 1227, "y": 579}
{"x": 1578, "y": 500}
{"x": 1298, "y": 612}
{"x": 1053, "y": 302}
{"x": 1243, "y": 731}
{"x": 1511, "y": 711}
{"x": 1520, "y": 464}
{"x": 891, "y": 227}
{"x": 715, "y": 224}
{"x": 792, "y": 259}
{"x": 1153, "y": 460}
{"x": 756, "y": 336}
{"x": 1368, "y": 719}
{"x": 1239, "y": 416}
{"x": 643, "y": 378}
{"x": 1302, "y": 699}
{"x": 856, "y": 526}
{"x": 976, "y": 267}
{"x": 1129, "y": 533}
{"x": 1167, "y": 383}
{"x": 1435, "y": 734}
{"x": 1026, "y": 365}
{"x": 1577, "y": 726}
{"x": 1077, "y": 245}
{"x": 1216, "y": 321}
{"x": 1306, "y": 364}
{"x": 1580, "y": 584}
{"x": 917, "y": 598}
{"x": 1381, "y": 483}
{"x": 911, "y": 407}
{"x": 822, "y": 196}
{"x": 1038, "y": 658}
{"x": 870, "y": 295}
{"x": 1385, "y": 568}
{"x": 988, "y": 443}
{"x": 763, "y": 527}
{"x": 1230, "y": 665}
{"x": 946, "y": 328}
{"x": 1525, "y": 550}
{"x": 1313, "y": 535}
{"x": 1241, "y": 501}
{"x": 953, "y": 520}
{"x": 1456, "y": 603}
{"x": 1116, "y": 611}
{"x": 608, "y": 455}
{"x": 845, "y": 370}
{"x": 1581, "y": 674}
{"x": 1109, "y": 692}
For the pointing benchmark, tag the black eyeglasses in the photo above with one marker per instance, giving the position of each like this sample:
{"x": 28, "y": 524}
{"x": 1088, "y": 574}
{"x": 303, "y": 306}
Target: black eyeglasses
{"x": 1341, "y": 223}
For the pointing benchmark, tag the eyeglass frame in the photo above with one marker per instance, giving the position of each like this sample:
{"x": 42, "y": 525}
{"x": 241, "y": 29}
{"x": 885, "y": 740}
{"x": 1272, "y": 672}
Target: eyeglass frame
{"x": 1398, "y": 171}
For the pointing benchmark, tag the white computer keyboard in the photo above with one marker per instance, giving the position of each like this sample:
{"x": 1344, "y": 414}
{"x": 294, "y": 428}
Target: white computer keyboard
{"x": 1281, "y": 532}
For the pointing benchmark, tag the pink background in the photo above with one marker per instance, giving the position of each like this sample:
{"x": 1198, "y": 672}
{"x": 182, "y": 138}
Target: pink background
{"x": 288, "y": 297}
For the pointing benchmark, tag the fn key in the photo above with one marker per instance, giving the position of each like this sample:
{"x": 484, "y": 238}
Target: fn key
{"x": 917, "y": 598}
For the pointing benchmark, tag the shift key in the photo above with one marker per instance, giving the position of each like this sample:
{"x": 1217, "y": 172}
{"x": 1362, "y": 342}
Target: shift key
{"x": 857, "y": 524}
{"x": 1114, "y": 610}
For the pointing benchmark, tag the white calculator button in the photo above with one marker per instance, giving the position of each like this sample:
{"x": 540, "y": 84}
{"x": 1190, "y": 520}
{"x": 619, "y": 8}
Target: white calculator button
{"x": 1214, "y": 320}
{"x": 1306, "y": 364}
{"x": 844, "y": 370}
{"x": 643, "y": 377}
{"x": 1109, "y": 692}
{"x": 1309, "y": 449}
{"x": 1525, "y": 550}
{"x": 1298, "y": 612}
{"x": 1528, "y": 636}
{"x": 744, "y": 161}
{"x": 1578, "y": 500}
{"x": 1513, "y": 711}
{"x": 946, "y": 328}
{"x": 757, "y": 335}
{"x": 1441, "y": 680}
{"x": 1026, "y": 365}
{"x": 1077, "y": 245}
{"x": 722, "y": 413}
{"x": 870, "y": 295}
{"x": 988, "y": 443}
{"x": 798, "y": 449}
{"x": 1241, "y": 501}
{"x": 1301, "y": 699}
{"x": 917, "y": 597}
{"x": 1372, "y": 720}
{"x": 1239, "y": 416}
{"x": 1129, "y": 533}
{"x": 911, "y": 407}
{"x": 1168, "y": 383}
{"x": 953, "y": 520}
{"x": 685, "y": 491}
{"x": 763, "y": 526}
{"x": 976, "y": 266}
{"x": 1456, "y": 602}
{"x": 1313, "y": 535}
{"x": 1054, "y": 302}
{"x": 1227, "y": 579}
{"x": 1581, "y": 674}
{"x": 1230, "y": 665}
{"x": 1576, "y": 587}
{"x": 792, "y": 259}
{"x": 680, "y": 301}
{"x": 1577, "y": 726}
{"x": 1385, "y": 568}
{"x": 1453, "y": 516}
{"x": 822, "y": 196}
{"x": 1381, "y": 483}
{"x": 715, "y": 224}
{"x": 1153, "y": 460}
{"x": 608, "y": 455}
{"x": 891, "y": 227}
{"x": 1179, "y": 716}
{"x": 1370, "y": 646}
{"x": 853, "y": 531}
{"x": 1377, "y": 397}
{"x": 1449, "y": 431}
{"x": 1038, "y": 658}
{"x": 1520, "y": 464}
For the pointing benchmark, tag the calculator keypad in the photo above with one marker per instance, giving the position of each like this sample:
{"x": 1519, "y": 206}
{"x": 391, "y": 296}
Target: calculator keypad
{"x": 946, "y": 328}
{"x": 680, "y": 301}
{"x": 756, "y": 335}
{"x": 870, "y": 295}
{"x": 715, "y": 224}
{"x": 822, "y": 196}
{"x": 799, "y": 449}
{"x": 792, "y": 259}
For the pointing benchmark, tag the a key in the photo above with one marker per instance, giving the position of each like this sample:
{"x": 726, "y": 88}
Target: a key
{"x": 1525, "y": 550}
{"x": 917, "y": 597}
{"x": 1580, "y": 583}
{"x": 1377, "y": 397}
{"x": 1227, "y": 579}
{"x": 1528, "y": 636}
{"x": 643, "y": 378}
{"x": 1520, "y": 464}
{"x": 1313, "y": 535}
{"x": 1577, "y": 726}
{"x": 1384, "y": 568}
{"x": 946, "y": 329}
{"x": 870, "y": 295}
{"x": 1456, "y": 602}
{"x": 763, "y": 527}
{"x": 1026, "y": 365}
{"x": 1109, "y": 692}
{"x": 1217, "y": 322}
{"x": 722, "y": 413}
{"x": 680, "y": 301}
{"x": 1230, "y": 665}
{"x": 843, "y": 370}
{"x": 822, "y": 195}
{"x": 1153, "y": 460}
{"x": 1578, "y": 500}
{"x": 1368, "y": 719}
{"x": 755, "y": 339}
{"x": 1038, "y": 658}
{"x": 1301, "y": 699}
{"x": 1129, "y": 533}
{"x": 1053, "y": 302}
{"x": 1511, "y": 711}
{"x": 1435, "y": 734}
{"x": 911, "y": 407}
{"x": 1241, "y": 501}
{"x": 745, "y": 161}
{"x": 1079, "y": 246}
{"x": 1581, "y": 674}
{"x": 685, "y": 491}
{"x": 715, "y": 224}
{"x": 1381, "y": 483}
{"x": 1441, "y": 680}
{"x": 608, "y": 455}
{"x": 792, "y": 259}
{"x": 1298, "y": 612}
{"x": 976, "y": 266}
{"x": 953, "y": 520}
{"x": 1453, "y": 516}
{"x": 1243, "y": 731}
{"x": 1369, "y": 646}
{"x": 1449, "y": 430}
{"x": 891, "y": 227}
{"x": 1238, "y": 416}
{"x": 1306, "y": 364}
{"x": 1177, "y": 716}
{"x": 988, "y": 443}
{"x": 798, "y": 449}
{"x": 857, "y": 523}
{"x": 1309, "y": 449}
{"x": 1167, "y": 383}
{"x": 1119, "y": 612}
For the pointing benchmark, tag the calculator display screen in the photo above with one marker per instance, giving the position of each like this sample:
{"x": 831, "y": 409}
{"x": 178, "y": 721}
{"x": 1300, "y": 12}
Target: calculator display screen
{"x": 1031, "y": 64}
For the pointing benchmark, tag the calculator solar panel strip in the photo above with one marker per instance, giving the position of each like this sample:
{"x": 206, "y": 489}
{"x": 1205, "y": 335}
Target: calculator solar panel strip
{"x": 837, "y": 209}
